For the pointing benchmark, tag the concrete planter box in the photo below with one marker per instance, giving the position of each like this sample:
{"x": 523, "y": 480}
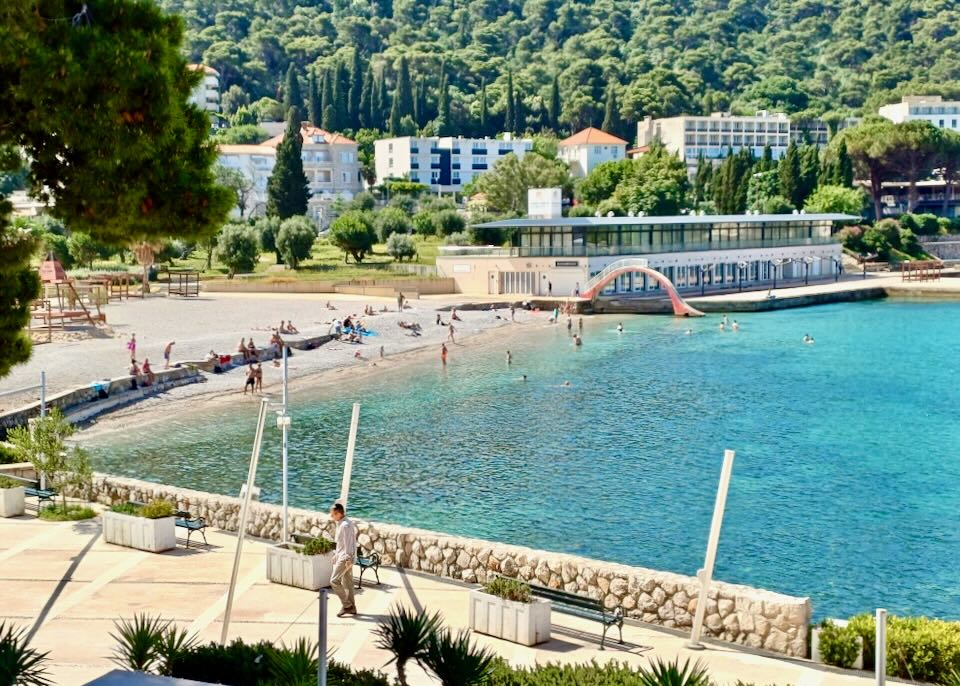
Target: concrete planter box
{"x": 152, "y": 535}
{"x": 11, "y": 502}
{"x": 524, "y": 623}
{"x": 287, "y": 565}
{"x": 815, "y": 644}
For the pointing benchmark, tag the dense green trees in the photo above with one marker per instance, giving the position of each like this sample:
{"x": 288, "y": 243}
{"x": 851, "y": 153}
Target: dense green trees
{"x": 506, "y": 185}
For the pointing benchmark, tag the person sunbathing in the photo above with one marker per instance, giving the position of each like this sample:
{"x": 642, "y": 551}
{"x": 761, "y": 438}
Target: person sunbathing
{"x": 291, "y": 328}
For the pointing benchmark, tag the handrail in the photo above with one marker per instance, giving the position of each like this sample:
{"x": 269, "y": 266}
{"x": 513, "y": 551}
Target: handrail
{"x": 612, "y": 267}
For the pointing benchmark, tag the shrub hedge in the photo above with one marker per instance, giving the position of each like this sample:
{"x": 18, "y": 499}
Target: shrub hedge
{"x": 508, "y": 589}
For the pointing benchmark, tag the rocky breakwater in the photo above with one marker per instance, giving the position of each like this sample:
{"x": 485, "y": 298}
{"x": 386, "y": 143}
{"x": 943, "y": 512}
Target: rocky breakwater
{"x": 739, "y": 614}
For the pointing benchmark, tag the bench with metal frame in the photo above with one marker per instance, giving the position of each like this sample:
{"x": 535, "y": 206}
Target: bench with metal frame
{"x": 581, "y": 606}
{"x": 32, "y": 490}
{"x": 364, "y": 562}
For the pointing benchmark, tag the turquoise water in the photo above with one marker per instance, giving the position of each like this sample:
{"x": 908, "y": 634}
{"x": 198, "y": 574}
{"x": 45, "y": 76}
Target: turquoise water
{"x": 845, "y": 486}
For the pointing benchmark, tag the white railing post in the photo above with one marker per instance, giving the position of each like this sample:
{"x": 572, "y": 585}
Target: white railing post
{"x": 705, "y": 575}
{"x": 880, "y": 668}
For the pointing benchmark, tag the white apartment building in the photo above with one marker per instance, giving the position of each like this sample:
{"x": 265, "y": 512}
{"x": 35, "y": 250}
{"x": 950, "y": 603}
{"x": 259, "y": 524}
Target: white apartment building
{"x": 944, "y": 114}
{"x": 443, "y": 163}
{"x": 332, "y": 166}
{"x": 206, "y": 94}
{"x": 692, "y": 136}
{"x": 586, "y": 149}
{"x": 256, "y": 163}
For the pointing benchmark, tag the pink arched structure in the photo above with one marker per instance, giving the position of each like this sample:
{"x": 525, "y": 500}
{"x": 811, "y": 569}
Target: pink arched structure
{"x": 680, "y": 307}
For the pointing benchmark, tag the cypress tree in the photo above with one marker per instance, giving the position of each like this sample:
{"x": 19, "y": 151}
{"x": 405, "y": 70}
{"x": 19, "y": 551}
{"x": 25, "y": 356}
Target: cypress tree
{"x": 843, "y": 174}
{"x": 809, "y": 169}
{"x": 701, "y": 180}
{"x": 611, "y": 121}
{"x": 341, "y": 96}
{"x": 404, "y": 93}
{"x": 544, "y": 114}
{"x": 366, "y": 100}
{"x": 483, "y": 108}
{"x": 394, "y": 123}
{"x": 287, "y": 192}
{"x": 555, "y": 104}
{"x": 519, "y": 113}
{"x": 443, "y": 114}
{"x": 314, "y": 108}
{"x": 743, "y": 169}
{"x": 419, "y": 103}
{"x": 356, "y": 91}
{"x": 789, "y": 172}
{"x": 292, "y": 97}
{"x": 509, "y": 122}
{"x": 383, "y": 103}
{"x": 766, "y": 161}
{"x": 327, "y": 113}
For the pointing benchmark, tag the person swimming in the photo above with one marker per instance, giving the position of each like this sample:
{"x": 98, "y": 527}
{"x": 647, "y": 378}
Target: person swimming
{"x": 808, "y": 339}
{"x": 725, "y": 321}
{"x": 577, "y": 341}
{"x": 523, "y": 377}
{"x": 509, "y": 358}
{"x": 619, "y": 327}
{"x": 688, "y": 332}
{"x": 566, "y": 384}
{"x": 723, "y": 326}
{"x": 735, "y": 326}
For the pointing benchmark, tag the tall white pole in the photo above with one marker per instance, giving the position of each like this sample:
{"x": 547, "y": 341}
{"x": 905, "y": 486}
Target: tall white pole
{"x": 322, "y": 657}
{"x": 285, "y": 428}
{"x": 348, "y": 463}
{"x": 880, "y": 669}
{"x": 244, "y": 511}
{"x": 706, "y": 574}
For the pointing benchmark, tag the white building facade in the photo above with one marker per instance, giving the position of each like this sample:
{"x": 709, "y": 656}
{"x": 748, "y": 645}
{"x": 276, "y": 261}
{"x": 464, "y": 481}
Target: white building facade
{"x": 586, "y": 149}
{"x": 944, "y": 114}
{"x": 443, "y": 163}
{"x": 256, "y": 163}
{"x": 206, "y": 94}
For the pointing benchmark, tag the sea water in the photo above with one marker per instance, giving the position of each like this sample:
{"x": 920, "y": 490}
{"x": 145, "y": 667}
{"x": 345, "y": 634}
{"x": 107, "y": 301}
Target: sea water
{"x": 846, "y": 483}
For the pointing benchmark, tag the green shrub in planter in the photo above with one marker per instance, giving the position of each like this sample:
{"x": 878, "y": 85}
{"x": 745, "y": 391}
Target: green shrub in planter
{"x": 659, "y": 673}
{"x": 318, "y": 546}
{"x": 155, "y": 509}
{"x": 508, "y": 589}
{"x": 922, "y": 649}
{"x": 838, "y": 645}
{"x": 7, "y": 482}
{"x": 7, "y": 455}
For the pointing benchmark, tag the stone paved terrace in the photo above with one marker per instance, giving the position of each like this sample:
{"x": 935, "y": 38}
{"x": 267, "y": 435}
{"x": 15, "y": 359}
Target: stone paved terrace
{"x": 62, "y": 582}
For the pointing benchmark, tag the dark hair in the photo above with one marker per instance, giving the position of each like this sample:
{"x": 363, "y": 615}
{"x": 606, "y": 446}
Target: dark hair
{"x": 337, "y": 507}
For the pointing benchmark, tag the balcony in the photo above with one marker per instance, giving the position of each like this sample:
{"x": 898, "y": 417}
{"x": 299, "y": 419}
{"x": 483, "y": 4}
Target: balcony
{"x": 456, "y": 151}
{"x": 478, "y": 151}
{"x": 435, "y": 151}
{"x": 414, "y": 165}
{"x": 455, "y": 165}
{"x": 477, "y": 166}
{"x": 414, "y": 150}
{"x": 435, "y": 165}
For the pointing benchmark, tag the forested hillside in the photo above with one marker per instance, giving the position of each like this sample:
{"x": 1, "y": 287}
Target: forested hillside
{"x": 619, "y": 58}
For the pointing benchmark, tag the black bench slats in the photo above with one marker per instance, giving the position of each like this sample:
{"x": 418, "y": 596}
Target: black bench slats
{"x": 32, "y": 489}
{"x": 581, "y": 606}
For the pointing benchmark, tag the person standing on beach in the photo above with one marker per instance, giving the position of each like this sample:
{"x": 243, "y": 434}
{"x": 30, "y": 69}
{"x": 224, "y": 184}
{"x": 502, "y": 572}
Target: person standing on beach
{"x": 342, "y": 579}
{"x": 259, "y": 377}
{"x": 450, "y": 333}
{"x": 550, "y": 288}
{"x": 400, "y": 302}
{"x": 580, "y": 324}
{"x": 251, "y": 381}
{"x": 443, "y": 354}
{"x": 166, "y": 354}
{"x": 509, "y": 358}
{"x": 513, "y": 313}
{"x": 132, "y": 347}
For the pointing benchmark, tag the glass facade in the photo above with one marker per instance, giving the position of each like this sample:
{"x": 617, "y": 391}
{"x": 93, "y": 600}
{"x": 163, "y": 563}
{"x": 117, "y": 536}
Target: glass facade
{"x": 640, "y": 239}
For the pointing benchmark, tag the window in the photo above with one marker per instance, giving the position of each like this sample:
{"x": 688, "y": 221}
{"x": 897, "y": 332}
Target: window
{"x": 479, "y": 160}
{"x": 434, "y": 176}
{"x": 596, "y": 150}
{"x": 390, "y": 148}
{"x": 941, "y": 123}
{"x": 323, "y": 176}
{"x": 346, "y": 157}
{"x": 345, "y": 177}
{"x": 390, "y": 162}
{"x": 415, "y": 177}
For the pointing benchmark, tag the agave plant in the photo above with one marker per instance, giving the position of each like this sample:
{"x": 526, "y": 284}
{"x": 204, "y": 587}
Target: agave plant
{"x": 456, "y": 661}
{"x": 661, "y": 673}
{"x": 406, "y": 634}
{"x": 138, "y": 642}
{"x": 173, "y": 643}
{"x": 294, "y": 666}
{"x": 20, "y": 665}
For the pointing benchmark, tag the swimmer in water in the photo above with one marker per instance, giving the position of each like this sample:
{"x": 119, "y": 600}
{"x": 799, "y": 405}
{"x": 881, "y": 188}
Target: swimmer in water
{"x": 509, "y": 358}
{"x": 619, "y": 327}
{"x": 723, "y": 326}
{"x": 523, "y": 377}
{"x": 725, "y": 321}
{"x": 735, "y": 326}
{"x": 807, "y": 338}
{"x": 688, "y": 332}
{"x": 566, "y": 384}
{"x": 577, "y": 341}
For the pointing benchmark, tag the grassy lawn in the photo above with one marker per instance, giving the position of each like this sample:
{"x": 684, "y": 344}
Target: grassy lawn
{"x": 326, "y": 263}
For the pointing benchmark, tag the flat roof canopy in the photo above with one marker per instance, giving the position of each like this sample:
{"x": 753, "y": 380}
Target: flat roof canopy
{"x": 675, "y": 219}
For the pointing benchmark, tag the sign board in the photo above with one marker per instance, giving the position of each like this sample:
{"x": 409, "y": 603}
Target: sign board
{"x": 567, "y": 263}
{"x": 544, "y": 203}
{"x": 461, "y": 268}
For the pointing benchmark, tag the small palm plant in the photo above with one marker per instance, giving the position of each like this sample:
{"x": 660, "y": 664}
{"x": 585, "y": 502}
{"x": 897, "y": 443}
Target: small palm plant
{"x": 150, "y": 644}
{"x": 456, "y": 661}
{"x": 294, "y": 666}
{"x": 661, "y": 673}
{"x": 406, "y": 634}
{"x": 20, "y": 665}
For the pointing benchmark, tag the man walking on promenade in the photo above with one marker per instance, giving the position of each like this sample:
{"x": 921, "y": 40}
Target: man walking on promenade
{"x": 342, "y": 580}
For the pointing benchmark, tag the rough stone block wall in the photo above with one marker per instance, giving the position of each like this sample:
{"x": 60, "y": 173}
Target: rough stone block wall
{"x": 739, "y": 614}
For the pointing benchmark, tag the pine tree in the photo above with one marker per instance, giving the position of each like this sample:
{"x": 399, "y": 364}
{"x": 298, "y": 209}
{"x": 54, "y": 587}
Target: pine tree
{"x": 789, "y": 172}
{"x": 314, "y": 108}
{"x": 287, "y": 192}
{"x": 366, "y": 100}
{"x": 509, "y": 123}
{"x": 611, "y": 120}
{"x": 404, "y": 92}
{"x": 292, "y": 97}
{"x": 483, "y": 108}
{"x": 327, "y": 113}
{"x": 394, "y": 125}
{"x": 555, "y": 104}
{"x": 356, "y": 91}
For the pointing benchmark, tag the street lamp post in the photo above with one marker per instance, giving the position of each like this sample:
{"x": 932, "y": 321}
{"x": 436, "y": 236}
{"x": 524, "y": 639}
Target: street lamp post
{"x": 740, "y": 267}
{"x": 807, "y": 261}
{"x": 704, "y": 268}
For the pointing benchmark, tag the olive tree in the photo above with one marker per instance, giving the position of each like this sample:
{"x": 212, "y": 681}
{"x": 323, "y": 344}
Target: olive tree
{"x": 238, "y": 247}
{"x": 295, "y": 240}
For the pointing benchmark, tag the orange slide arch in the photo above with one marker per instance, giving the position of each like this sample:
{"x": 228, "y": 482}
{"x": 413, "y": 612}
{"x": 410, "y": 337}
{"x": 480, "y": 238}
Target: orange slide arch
{"x": 680, "y": 306}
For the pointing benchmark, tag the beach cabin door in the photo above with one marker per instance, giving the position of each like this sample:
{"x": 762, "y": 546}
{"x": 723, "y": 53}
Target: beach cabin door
{"x": 493, "y": 284}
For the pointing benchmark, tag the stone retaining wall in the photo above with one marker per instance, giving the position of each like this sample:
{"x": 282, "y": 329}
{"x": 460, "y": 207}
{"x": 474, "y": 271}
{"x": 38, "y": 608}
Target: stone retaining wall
{"x": 740, "y": 614}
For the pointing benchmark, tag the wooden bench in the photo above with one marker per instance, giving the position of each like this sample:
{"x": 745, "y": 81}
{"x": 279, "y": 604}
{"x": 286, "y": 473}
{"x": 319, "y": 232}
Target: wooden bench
{"x": 581, "y": 606}
{"x": 32, "y": 490}
{"x": 364, "y": 562}
{"x": 185, "y": 520}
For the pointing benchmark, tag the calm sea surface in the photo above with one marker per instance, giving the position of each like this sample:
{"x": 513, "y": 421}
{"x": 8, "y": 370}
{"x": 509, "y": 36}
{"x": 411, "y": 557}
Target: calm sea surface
{"x": 846, "y": 485}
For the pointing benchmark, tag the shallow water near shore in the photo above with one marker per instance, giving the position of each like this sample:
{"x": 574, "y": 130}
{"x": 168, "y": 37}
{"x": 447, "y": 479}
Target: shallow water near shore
{"x": 845, "y": 486}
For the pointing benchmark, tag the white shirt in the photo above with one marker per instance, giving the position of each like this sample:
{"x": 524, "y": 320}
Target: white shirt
{"x": 346, "y": 542}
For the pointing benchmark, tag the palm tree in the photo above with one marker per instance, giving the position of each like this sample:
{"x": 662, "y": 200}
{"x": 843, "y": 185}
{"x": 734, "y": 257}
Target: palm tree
{"x": 456, "y": 661}
{"x": 20, "y": 665}
{"x": 406, "y": 634}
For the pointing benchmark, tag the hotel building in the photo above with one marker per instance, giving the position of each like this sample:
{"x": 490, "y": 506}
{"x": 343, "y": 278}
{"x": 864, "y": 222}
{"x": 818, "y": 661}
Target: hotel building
{"x": 256, "y": 163}
{"x": 586, "y": 149}
{"x": 444, "y": 164}
{"x": 558, "y": 255}
{"x": 206, "y": 94}
{"x": 944, "y": 114}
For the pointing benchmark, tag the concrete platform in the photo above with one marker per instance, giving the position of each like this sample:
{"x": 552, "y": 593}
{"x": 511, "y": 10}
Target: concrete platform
{"x": 67, "y": 587}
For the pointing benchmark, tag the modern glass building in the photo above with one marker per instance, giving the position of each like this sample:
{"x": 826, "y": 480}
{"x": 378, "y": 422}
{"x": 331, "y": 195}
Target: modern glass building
{"x": 556, "y": 255}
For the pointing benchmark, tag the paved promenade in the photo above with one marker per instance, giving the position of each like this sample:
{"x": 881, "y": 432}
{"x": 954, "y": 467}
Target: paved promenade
{"x": 63, "y": 583}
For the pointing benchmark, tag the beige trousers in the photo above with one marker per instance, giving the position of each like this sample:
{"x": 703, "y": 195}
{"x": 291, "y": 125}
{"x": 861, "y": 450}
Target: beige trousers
{"x": 342, "y": 584}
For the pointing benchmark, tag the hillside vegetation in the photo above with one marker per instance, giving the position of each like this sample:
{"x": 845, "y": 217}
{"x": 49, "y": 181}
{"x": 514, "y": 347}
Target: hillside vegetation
{"x": 570, "y": 64}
